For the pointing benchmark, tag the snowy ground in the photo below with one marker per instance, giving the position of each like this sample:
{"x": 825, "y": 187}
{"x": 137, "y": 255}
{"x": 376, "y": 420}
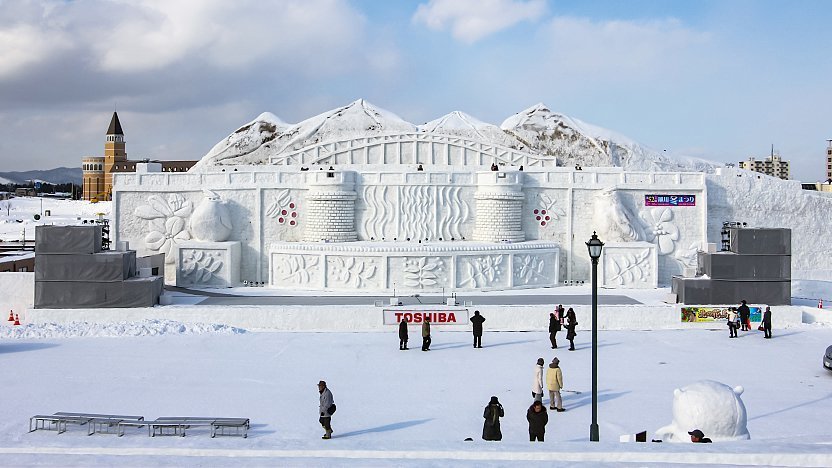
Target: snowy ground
{"x": 407, "y": 408}
{"x": 20, "y": 215}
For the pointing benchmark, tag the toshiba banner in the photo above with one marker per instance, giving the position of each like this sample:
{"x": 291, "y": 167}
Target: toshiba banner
{"x": 437, "y": 316}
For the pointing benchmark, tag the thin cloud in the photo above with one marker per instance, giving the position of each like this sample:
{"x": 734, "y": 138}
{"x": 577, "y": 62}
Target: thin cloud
{"x": 472, "y": 20}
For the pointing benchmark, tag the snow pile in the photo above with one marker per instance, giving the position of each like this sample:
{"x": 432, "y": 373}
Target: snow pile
{"x": 461, "y": 124}
{"x": 573, "y": 142}
{"x": 536, "y": 130}
{"x": 245, "y": 141}
{"x": 151, "y": 327}
{"x": 247, "y": 146}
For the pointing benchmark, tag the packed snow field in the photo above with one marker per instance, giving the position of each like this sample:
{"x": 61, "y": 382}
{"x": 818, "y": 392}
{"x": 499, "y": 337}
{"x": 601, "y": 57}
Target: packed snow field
{"x": 17, "y": 215}
{"x": 406, "y": 408}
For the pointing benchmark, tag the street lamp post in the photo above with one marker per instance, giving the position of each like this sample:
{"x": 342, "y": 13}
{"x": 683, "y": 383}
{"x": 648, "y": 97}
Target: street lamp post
{"x": 594, "y": 245}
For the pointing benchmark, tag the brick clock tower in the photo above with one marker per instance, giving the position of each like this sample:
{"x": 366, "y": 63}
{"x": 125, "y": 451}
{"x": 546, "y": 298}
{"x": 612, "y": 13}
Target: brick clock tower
{"x": 114, "y": 153}
{"x": 98, "y": 171}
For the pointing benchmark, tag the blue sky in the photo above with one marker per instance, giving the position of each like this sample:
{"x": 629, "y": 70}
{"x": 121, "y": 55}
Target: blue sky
{"x": 721, "y": 80}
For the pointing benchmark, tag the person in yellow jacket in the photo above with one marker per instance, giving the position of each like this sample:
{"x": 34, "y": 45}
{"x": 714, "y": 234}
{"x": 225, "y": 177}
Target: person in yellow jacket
{"x": 554, "y": 382}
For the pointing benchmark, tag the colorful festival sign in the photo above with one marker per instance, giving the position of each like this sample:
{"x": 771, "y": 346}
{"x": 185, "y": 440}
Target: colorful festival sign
{"x": 670, "y": 200}
{"x": 715, "y": 314}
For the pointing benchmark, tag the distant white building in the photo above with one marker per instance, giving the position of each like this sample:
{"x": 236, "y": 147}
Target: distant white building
{"x": 773, "y": 165}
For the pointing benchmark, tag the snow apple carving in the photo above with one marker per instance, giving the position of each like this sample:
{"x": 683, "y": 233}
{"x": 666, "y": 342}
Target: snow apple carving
{"x": 712, "y": 407}
{"x": 211, "y": 221}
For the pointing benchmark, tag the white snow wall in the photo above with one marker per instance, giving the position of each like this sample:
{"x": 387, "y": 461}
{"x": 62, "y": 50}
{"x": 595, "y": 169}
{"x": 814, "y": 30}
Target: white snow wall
{"x": 768, "y": 202}
{"x": 269, "y": 204}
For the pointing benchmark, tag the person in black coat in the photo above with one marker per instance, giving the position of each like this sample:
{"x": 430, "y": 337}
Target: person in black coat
{"x": 403, "y": 334}
{"x": 537, "y": 417}
{"x": 492, "y": 414}
{"x": 555, "y": 325}
{"x": 745, "y": 315}
{"x": 767, "y": 322}
{"x": 477, "y": 321}
{"x": 571, "y": 323}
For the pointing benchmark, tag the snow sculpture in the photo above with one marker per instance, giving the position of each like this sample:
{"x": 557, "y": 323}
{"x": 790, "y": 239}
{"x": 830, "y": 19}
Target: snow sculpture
{"x": 613, "y": 221}
{"x": 167, "y": 221}
{"x": 211, "y": 221}
{"x": 661, "y": 229}
{"x": 714, "y": 408}
{"x": 499, "y": 200}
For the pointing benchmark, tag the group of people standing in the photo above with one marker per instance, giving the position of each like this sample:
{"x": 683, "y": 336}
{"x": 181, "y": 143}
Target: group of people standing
{"x": 536, "y": 415}
{"x": 557, "y": 321}
{"x": 740, "y": 318}
{"x": 476, "y": 323}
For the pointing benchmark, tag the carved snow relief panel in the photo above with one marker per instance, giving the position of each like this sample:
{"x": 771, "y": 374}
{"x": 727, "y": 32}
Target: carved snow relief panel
{"x": 208, "y": 264}
{"x": 483, "y": 271}
{"x": 415, "y": 212}
{"x": 303, "y": 271}
{"x": 534, "y": 269}
{"x": 166, "y": 223}
{"x": 343, "y": 272}
{"x": 629, "y": 265}
{"x": 420, "y": 273}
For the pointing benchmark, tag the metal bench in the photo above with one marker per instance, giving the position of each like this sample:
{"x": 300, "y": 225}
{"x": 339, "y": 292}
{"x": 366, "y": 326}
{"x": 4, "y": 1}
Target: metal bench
{"x": 103, "y": 423}
{"x": 56, "y": 423}
{"x": 218, "y": 425}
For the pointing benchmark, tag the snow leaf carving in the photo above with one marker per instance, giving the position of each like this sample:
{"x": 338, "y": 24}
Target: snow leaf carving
{"x": 482, "y": 271}
{"x": 354, "y": 272}
{"x": 200, "y": 266}
{"x": 628, "y": 268}
{"x": 528, "y": 269}
{"x": 422, "y": 271}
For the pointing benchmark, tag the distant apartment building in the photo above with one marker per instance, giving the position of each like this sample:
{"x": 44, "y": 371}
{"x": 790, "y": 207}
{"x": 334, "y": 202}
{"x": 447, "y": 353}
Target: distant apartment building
{"x": 99, "y": 170}
{"x": 772, "y": 165}
{"x": 828, "y": 160}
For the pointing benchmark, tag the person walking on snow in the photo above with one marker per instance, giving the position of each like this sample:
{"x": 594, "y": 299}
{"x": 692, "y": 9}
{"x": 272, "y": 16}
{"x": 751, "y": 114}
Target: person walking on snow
{"x": 426, "y": 334}
{"x": 554, "y": 382}
{"x": 767, "y": 322}
{"x": 555, "y": 326}
{"x": 492, "y": 414}
{"x": 745, "y": 316}
{"x": 732, "y": 323}
{"x": 477, "y": 321}
{"x": 326, "y": 407}
{"x": 537, "y": 417}
{"x": 571, "y": 323}
{"x": 537, "y": 383}
{"x": 403, "y": 334}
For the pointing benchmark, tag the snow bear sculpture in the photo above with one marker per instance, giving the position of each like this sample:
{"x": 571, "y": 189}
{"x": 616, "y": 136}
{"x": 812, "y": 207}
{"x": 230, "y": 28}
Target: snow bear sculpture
{"x": 211, "y": 221}
{"x": 714, "y": 408}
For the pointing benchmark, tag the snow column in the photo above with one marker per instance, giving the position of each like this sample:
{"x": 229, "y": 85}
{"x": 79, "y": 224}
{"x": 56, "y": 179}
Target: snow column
{"x": 330, "y": 205}
{"x": 499, "y": 199}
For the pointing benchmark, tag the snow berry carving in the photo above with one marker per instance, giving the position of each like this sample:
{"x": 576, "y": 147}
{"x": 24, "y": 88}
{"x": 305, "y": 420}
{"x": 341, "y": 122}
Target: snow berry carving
{"x": 482, "y": 271}
{"x": 547, "y": 212}
{"x": 283, "y": 208}
{"x": 529, "y": 269}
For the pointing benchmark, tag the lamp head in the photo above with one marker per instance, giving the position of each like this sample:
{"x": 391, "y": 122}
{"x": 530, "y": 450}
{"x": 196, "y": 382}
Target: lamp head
{"x": 594, "y": 246}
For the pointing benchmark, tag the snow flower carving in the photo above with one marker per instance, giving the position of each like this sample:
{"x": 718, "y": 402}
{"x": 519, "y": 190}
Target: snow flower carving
{"x": 200, "y": 266}
{"x": 422, "y": 272}
{"x": 167, "y": 225}
{"x": 660, "y": 229}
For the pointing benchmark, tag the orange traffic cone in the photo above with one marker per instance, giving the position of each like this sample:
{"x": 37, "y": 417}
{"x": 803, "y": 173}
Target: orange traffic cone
{"x": 11, "y": 316}
{"x": 820, "y": 303}
{"x": 16, "y": 319}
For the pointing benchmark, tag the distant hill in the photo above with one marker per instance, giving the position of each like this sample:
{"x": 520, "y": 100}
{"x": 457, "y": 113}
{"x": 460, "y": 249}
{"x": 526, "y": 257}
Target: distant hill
{"x": 60, "y": 175}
